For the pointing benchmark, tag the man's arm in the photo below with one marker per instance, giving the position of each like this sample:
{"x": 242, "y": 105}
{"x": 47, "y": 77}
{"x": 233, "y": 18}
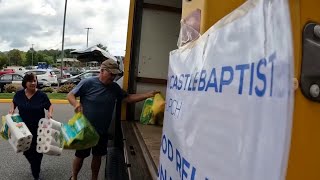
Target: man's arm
{"x": 132, "y": 98}
{"x": 73, "y": 101}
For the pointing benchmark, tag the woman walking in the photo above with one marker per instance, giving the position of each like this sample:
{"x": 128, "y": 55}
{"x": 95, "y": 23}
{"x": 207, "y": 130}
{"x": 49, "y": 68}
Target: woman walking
{"x": 31, "y": 104}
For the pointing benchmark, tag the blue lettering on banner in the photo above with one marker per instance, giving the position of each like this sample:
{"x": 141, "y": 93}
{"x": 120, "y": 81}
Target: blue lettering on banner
{"x": 202, "y": 80}
{"x": 227, "y": 81}
{"x": 253, "y": 75}
{"x": 262, "y": 77}
{"x": 212, "y": 82}
{"x": 242, "y": 68}
{"x": 185, "y": 169}
{"x": 174, "y": 107}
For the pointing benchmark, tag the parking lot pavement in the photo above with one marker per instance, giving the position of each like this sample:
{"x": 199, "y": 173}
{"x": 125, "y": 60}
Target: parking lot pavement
{"x": 15, "y": 167}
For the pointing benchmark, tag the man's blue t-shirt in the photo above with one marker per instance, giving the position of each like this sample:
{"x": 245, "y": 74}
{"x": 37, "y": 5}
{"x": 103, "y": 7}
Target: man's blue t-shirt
{"x": 98, "y": 101}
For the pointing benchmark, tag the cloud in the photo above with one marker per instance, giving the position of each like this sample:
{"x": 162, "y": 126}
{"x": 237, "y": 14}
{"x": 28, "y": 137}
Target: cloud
{"x": 39, "y": 22}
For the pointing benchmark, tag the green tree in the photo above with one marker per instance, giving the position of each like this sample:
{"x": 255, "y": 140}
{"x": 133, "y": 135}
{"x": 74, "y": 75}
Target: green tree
{"x": 39, "y": 57}
{"x": 3, "y": 60}
{"x": 28, "y": 60}
{"x": 24, "y": 57}
{"x": 15, "y": 57}
{"x": 48, "y": 59}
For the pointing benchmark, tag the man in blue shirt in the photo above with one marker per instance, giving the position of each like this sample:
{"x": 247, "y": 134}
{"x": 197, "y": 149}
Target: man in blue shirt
{"x": 98, "y": 96}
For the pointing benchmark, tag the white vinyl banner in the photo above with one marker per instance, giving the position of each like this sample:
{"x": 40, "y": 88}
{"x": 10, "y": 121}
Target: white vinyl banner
{"x": 229, "y": 99}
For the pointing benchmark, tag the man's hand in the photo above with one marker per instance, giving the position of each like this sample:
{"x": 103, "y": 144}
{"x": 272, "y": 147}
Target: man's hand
{"x": 132, "y": 98}
{"x": 152, "y": 93}
{"x": 78, "y": 108}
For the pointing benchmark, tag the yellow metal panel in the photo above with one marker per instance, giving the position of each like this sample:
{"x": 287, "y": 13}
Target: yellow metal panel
{"x": 211, "y": 10}
{"x": 127, "y": 58}
{"x": 305, "y": 144}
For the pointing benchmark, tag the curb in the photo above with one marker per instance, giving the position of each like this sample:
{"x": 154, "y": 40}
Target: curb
{"x": 53, "y": 101}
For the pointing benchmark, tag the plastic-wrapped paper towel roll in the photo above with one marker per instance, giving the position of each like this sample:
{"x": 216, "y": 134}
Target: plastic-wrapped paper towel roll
{"x": 27, "y": 142}
{"x": 50, "y": 123}
{"x": 16, "y": 137}
{"x": 40, "y": 131}
{"x": 41, "y": 140}
{"x": 51, "y": 150}
{"x": 51, "y": 132}
{"x": 19, "y": 147}
{"x": 21, "y": 134}
{"x": 42, "y": 122}
{"x": 17, "y": 128}
{"x": 12, "y": 120}
{"x": 40, "y": 148}
{"x": 16, "y": 149}
{"x": 53, "y": 141}
{"x": 14, "y": 141}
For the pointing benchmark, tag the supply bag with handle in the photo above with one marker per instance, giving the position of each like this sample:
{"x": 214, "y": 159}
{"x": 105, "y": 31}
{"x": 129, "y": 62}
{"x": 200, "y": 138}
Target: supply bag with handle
{"x": 4, "y": 129}
{"x": 17, "y": 133}
{"x": 79, "y": 134}
{"x": 153, "y": 110}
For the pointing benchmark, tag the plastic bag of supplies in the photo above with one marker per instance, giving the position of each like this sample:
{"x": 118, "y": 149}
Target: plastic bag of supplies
{"x": 153, "y": 110}
{"x": 79, "y": 134}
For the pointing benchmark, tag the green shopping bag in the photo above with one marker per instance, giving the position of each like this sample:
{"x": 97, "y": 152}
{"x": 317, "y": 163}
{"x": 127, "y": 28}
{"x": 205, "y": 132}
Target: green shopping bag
{"x": 79, "y": 134}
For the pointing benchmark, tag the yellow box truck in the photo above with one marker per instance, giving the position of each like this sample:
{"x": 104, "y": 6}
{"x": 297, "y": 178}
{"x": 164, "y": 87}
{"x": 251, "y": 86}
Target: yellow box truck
{"x": 153, "y": 30}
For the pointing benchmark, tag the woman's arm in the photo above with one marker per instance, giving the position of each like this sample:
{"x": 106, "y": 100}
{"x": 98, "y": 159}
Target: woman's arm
{"x": 12, "y": 108}
{"x": 50, "y": 111}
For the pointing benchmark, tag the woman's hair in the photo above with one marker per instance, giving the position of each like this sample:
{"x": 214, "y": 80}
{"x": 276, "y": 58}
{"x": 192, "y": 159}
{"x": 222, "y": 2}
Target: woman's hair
{"x": 29, "y": 77}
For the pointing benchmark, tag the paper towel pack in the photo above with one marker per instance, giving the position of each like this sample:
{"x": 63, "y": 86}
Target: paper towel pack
{"x": 20, "y": 137}
{"x": 49, "y": 140}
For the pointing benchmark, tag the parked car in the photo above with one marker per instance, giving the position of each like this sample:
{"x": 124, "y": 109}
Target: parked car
{"x": 15, "y": 78}
{"x": 76, "y": 79}
{"x": 65, "y": 73}
{"x": 45, "y": 74}
{"x": 6, "y": 71}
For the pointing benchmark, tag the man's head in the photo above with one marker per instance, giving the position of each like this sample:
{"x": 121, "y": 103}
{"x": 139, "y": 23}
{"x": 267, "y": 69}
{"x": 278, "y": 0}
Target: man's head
{"x": 109, "y": 70}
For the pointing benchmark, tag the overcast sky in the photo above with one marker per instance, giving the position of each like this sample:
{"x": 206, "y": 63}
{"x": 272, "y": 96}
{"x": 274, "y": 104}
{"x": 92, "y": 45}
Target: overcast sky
{"x": 39, "y": 22}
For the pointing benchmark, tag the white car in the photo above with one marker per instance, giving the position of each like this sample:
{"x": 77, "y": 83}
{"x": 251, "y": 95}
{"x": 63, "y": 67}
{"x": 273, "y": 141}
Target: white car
{"x": 45, "y": 74}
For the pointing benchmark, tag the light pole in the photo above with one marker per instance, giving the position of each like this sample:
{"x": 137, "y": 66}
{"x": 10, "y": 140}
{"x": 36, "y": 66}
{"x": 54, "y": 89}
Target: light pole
{"x": 64, "y": 22}
{"x": 32, "y": 55}
{"x": 88, "y": 28}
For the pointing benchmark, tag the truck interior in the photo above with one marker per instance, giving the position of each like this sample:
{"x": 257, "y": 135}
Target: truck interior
{"x": 153, "y": 32}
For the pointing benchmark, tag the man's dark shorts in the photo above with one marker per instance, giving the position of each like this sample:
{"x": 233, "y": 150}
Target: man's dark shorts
{"x": 99, "y": 150}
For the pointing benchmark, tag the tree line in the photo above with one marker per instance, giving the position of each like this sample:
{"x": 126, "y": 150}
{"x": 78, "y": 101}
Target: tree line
{"x": 15, "y": 57}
